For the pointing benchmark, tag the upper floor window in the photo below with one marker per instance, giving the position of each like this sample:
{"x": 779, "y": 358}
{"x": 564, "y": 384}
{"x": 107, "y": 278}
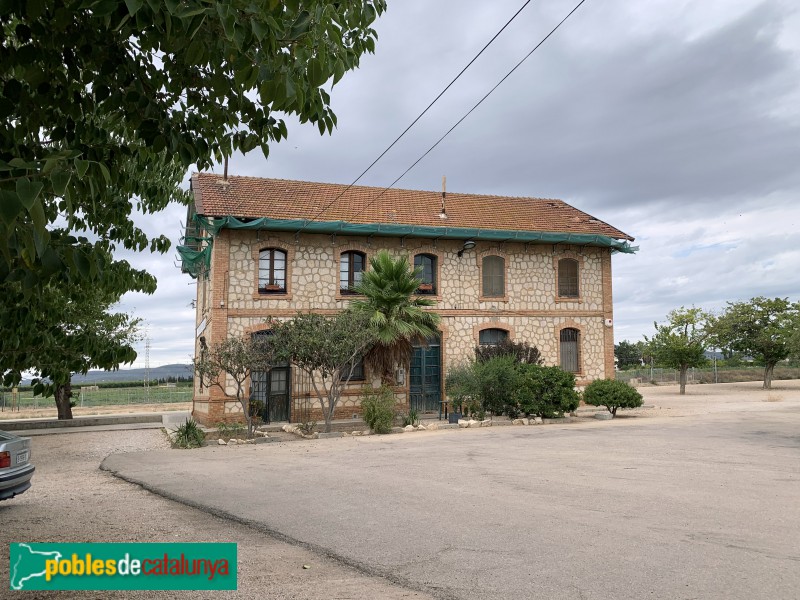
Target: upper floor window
{"x": 490, "y": 337}
{"x": 494, "y": 276}
{"x": 351, "y": 270}
{"x": 570, "y": 343}
{"x": 271, "y": 271}
{"x": 426, "y": 263}
{"x": 568, "y": 278}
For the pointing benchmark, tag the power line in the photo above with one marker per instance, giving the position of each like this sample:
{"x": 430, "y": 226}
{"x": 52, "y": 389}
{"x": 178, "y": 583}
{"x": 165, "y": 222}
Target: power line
{"x": 414, "y": 122}
{"x": 471, "y": 110}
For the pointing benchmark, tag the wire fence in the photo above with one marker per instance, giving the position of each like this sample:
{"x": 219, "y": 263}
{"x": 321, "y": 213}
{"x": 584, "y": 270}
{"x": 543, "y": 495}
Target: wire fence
{"x": 95, "y": 397}
{"x": 705, "y": 375}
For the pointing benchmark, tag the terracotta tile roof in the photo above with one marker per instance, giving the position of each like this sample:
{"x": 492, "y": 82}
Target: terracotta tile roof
{"x": 255, "y": 197}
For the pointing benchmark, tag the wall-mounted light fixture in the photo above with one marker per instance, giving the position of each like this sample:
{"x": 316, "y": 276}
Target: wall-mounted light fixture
{"x": 468, "y": 245}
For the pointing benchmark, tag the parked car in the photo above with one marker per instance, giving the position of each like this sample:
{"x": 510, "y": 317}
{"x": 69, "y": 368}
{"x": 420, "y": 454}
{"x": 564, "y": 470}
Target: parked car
{"x": 16, "y": 469}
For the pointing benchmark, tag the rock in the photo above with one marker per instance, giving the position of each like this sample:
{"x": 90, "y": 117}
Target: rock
{"x": 603, "y": 416}
{"x": 366, "y": 432}
{"x": 221, "y": 442}
{"x": 519, "y": 422}
{"x": 421, "y": 427}
{"x": 537, "y": 420}
{"x": 463, "y": 423}
{"x": 355, "y": 433}
{"x": 486, "y": 423}
{"x": 408, "y": 428}
{"x": 432, "y": 426}
{"x": 286, "y": 428}
{"x": 231, "y": 443}
{"x": 473, "y": 423}
{"x": 306, "y": 566}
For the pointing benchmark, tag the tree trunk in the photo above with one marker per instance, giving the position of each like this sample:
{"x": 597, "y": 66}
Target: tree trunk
{"x": 63, "y": 394}
{"x": 768, "y": 376}
{"x": 683, "y": 380}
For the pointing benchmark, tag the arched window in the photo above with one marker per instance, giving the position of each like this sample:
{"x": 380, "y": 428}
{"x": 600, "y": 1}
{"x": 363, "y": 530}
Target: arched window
{"x": 351, "y": 269}
{"x": 490, "y": 337}
{"x": 568, "y": 278}
{"x": 271, "y": 271}
{"x": 570, "y": 343}
{"x": 494, "y": 276}
{"x": 426, "y": 263}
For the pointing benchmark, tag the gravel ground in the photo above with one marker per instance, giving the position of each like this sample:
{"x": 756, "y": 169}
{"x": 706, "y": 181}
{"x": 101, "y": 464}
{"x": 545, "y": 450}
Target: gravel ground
{"x": 73, "y": 501}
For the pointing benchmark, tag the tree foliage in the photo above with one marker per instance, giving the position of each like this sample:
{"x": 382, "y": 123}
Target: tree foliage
{"x": 680, "y": 343}
{"x": 327, "y": 348}
{"x": 521, "y": 352}
{"x": 78, "y": 331}
{"x": 612, "y": 394}
{"x": 236, "y": 358}
{"x": 629, "y": 354}
{"x": 398, "y": 318}
{"x": 105, "y": 104}
{"x": 763, "y": 328}
{"x": 545, "y": 391}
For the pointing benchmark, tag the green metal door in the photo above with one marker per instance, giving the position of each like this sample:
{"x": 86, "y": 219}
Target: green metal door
{"x": 425, "y": 378}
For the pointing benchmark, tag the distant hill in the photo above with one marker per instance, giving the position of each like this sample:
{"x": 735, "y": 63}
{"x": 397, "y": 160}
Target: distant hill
{"x": 176, "y": 370}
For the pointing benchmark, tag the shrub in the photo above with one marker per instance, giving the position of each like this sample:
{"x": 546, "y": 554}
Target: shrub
{"x": 545, "y": 391}
{"x": 521, "y": 352}
{"x": 461, "y": 386}
{"x": 377, "y": 406}
{"x": 307, "y": 427}
{"x": 612, "y": 394}
{"x": 496, "y": 381}
{"x": 412, "y": 418}
{"x": 189, "y": 435}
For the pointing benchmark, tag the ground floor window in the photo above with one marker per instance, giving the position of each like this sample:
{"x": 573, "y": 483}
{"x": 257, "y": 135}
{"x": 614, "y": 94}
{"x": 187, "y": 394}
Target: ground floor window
{"x": 570, "y": 349}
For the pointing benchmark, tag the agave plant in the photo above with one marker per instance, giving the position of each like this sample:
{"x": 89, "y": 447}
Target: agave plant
{"x": 399, "y": 320}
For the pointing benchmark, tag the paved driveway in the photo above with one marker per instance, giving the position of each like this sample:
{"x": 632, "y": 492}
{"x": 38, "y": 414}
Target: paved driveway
{"x": 696, "y": 507}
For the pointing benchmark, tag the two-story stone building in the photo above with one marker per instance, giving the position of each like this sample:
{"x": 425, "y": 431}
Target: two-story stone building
{"x": 528, "y": 269}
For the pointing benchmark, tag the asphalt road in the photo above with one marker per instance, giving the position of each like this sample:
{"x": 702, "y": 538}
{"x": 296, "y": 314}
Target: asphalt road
{"x": 706, "y": 506}
{"x": 73, "y": 501}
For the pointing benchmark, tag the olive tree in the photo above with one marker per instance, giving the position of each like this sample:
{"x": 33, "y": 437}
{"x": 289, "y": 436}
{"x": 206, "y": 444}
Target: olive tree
{"x": 236, "y": 358}
{"x": 327, "y": 348}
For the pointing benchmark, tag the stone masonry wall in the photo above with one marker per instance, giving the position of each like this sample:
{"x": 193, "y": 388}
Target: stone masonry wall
{"x": 530, "y": 310}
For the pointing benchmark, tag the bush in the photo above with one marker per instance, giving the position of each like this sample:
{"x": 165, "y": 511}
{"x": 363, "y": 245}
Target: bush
{"x": 521, "y": 352}
{"x": 461, "y": 386}
{"x": 189, "y": 435}
{"x": 547, "y": 392}
{"x": 612, "y": 394}
{"x": 377, "y": 406}
{"x": 496, "y": 381}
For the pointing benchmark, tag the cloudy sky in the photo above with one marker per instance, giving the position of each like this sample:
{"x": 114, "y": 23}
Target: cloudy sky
{"x": 675, "y": 120}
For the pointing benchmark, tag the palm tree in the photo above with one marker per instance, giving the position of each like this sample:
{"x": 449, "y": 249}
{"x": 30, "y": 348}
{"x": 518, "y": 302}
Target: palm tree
{"x": 399, "y": 320}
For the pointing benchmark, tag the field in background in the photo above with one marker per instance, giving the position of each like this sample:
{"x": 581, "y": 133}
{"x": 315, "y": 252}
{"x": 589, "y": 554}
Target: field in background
{"x": 706, "y": 375}
{"x": 94, "y": 400}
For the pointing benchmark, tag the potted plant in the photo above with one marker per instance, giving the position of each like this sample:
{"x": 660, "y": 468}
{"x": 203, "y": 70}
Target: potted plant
{"x": 455, "y": 414}
{"x": 272, "y": 287}
{"x": 425, "y": 288}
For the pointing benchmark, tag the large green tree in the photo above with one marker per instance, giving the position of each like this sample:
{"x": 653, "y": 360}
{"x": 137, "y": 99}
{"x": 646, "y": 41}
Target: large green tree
{"x": 763, "y": 328}
{"x": 105, "y": 105}
{"x": 680, "y": 343}
{"x": 80, "y": 332}
{"x": 398, "y": 318}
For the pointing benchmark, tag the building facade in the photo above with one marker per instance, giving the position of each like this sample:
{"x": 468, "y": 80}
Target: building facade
{"x": 525, "y": 269}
